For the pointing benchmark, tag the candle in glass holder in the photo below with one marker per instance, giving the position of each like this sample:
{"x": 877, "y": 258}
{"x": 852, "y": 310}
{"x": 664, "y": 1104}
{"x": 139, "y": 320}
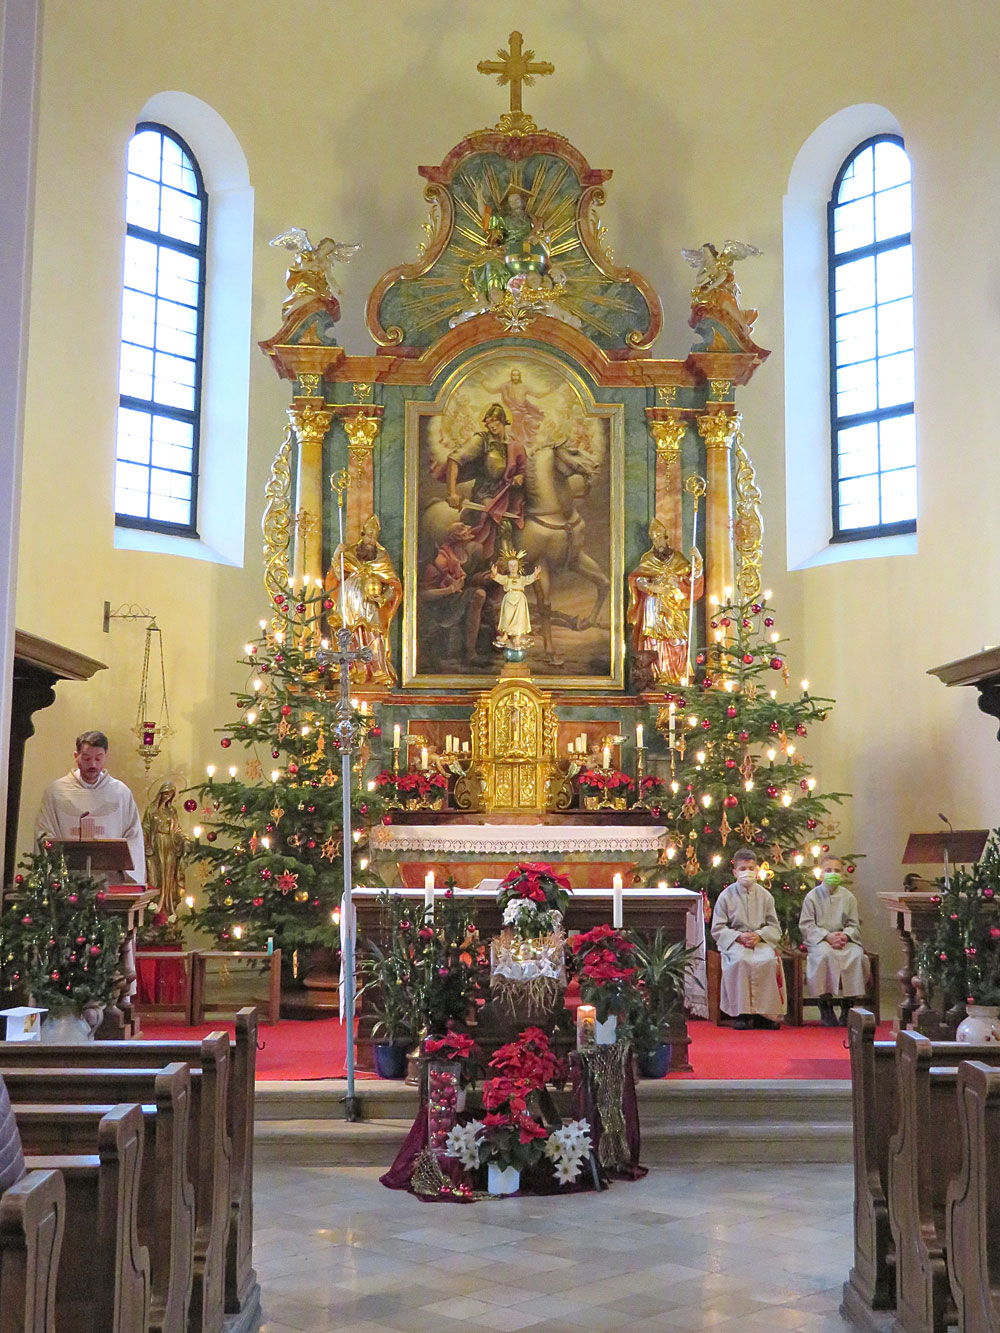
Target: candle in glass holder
{"x": 617, "y": 904}
{"x": 586, "y": 1026}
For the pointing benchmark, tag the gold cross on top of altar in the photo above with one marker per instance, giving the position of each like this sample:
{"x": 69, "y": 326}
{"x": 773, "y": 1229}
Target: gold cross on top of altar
{"x": 516, "y": 67}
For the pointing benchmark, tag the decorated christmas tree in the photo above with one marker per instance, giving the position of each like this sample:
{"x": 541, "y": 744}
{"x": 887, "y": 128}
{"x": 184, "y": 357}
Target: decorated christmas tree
{"x": 271, "y": 839}
{"x": 57, "y": 947}
{"x": 738, "y": 774}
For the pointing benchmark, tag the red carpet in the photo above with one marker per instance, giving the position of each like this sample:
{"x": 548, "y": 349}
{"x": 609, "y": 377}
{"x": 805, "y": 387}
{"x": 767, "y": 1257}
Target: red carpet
{"x": 315, "y": 1049}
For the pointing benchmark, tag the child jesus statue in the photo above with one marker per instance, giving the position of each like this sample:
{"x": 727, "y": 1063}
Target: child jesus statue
{"x": 514, "y": 625}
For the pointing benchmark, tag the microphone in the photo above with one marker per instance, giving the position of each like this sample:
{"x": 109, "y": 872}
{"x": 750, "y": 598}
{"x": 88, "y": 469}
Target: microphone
{"x": 945, "y": 820}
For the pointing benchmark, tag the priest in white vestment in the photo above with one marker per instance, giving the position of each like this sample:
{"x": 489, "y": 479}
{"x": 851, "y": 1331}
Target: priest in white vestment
{"x": 745, "y": 927}
{"x": 90, "y": 796}
{"x": 831, "y": 932}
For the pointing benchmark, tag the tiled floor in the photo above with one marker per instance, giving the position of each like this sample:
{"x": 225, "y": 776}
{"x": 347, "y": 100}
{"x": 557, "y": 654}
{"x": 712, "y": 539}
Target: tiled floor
{"x": 723, "y": 1248}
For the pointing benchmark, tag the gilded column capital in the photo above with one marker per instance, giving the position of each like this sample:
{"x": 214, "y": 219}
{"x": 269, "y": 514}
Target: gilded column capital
{"x": 361, "y": 431}
{"x": 311, "y": 421}
{"x": 717, "y": 429}
{"x": 668, "y": 433}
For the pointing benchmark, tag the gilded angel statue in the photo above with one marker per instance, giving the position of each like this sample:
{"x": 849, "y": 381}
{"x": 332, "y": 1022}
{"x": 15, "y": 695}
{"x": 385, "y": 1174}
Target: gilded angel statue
{"x": 312, "y": 273}
{"x": 715, "y": 283}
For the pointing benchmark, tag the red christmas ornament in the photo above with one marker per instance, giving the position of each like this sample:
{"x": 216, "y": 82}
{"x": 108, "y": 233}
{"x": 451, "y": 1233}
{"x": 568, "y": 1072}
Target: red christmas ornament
{"x": 300, "y": 608}
{"x": 729, "y": 802}
{"x": 225, "y": 742}
{"x": 80, "y": 939}
{"x": 987, "y": 893}
{"x": 95, "y": 949}
{"x": 715, "y": 624}
{"x": 311, "y": 845}
{"x": 730, "y": 763}
{"x": 768, "y": 621}
{"x": 327, "y": 603}
{"x": 731, "y": 711}
{"x": 748, "y": 659}
{"x": 725, "y": 621}
{"x": 850, "y": 869}
{"x": 699, "y": 659}
{"x": 190, "y": 806}
{"x": 772, "y": 792}
{"x": 404, "y": 926}
{"x": 826, "y": 847}
{"x": 747, "y": 622}
{"x": 707, "y": 683}
{"x": 708, "y": 830}
{"x": 425, "y": 934}
{"x": 387, "y": 819}
{"x": 54, "y": 974}
{"x": 18, "y": 879}
{"x": 286, "y": 709}
{"x": 681, "y": 701}
{"x": 279, "y": 599}
{"x": 810, "y": 824}
{"x": 100, "y": 895}
{"x": 776, "y": 663}
{"x": 275, "y": 754}
{"x": 73, "y": 898}
{"x": 376, "y": 731}
{"x": 804, "y": 785}
{"x": 243, "y": 809}
{"x": 265, "y": 874}
{"x": 800, "y": 730}
{"x": 363, "y": 808}
{"x": 311, "y": 809}
{"x": 756, "y": 608}
{"x": 258, "y": 902}
{"x": 744, "y": 736}
{"x": 774, "y": 727}
{"x": 705, "y": 724}
{"x": 211, "y": 835}
{"x": 293, "y": 768}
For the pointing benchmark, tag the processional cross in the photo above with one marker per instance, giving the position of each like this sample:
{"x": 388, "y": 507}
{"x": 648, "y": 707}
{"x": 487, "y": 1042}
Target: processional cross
{"x": 516, "y": 67}
{"x": 346, "y": 731}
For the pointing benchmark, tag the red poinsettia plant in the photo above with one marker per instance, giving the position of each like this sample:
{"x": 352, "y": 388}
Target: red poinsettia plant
{"x": 598, "y": 779}
{"x": 417, "y": 783}
{"x": 651, "y": 783}
{"x": 513, "y": 1135}
{"x": 530, "y": 1059}
{"x": 606, "y": 967}
{"x": 539, "y": 883}
{"x": 459, "y": 1047}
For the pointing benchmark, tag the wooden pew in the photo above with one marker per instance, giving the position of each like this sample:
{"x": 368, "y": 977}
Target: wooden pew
{"x": 208, "y": 1157}
{"x": 873, "y": 1085}
{"x": 103, "y": 1281}
{"x": 166, "y": 1201}
{"x": 242, "y": 1295}
{"x": 972, "y": 1210}
{"x": 924, "y": 1157}
{"x": 32, "y": 1216}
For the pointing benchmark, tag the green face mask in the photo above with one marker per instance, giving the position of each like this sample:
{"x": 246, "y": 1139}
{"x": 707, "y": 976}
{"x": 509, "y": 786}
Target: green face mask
{"x": 833, "y": 879}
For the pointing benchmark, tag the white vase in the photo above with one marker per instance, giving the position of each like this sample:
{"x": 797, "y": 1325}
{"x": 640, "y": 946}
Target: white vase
{"x": 981, "y": 1028}
{"x": 502, "y": 1179}
{"x": 66, "y": 1030}
{"x": 605, "y": 1034}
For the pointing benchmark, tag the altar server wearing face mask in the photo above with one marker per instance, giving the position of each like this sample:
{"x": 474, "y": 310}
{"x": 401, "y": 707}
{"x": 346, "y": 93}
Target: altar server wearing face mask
{"x": 835, "y": 960}
{"x": 745, "y": 927}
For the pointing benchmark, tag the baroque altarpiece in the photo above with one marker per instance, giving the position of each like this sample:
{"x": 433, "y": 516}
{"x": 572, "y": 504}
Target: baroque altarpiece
{"x": 511, "y": 410}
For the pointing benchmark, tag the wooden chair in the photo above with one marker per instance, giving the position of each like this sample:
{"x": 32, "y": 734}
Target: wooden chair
{"x": 201, "y": 960}
{"x": 793, "y": 961}
{"x": 972, "y": 1211}
{"x": 166, "y": 1219}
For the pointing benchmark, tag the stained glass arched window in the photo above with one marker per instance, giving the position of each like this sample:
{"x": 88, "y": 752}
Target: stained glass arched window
{"x": 163, "y": 309}
{"x": 873, "y": 429}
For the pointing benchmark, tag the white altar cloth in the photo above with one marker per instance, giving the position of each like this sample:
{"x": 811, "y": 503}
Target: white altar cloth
{"x": 528, "y": 840}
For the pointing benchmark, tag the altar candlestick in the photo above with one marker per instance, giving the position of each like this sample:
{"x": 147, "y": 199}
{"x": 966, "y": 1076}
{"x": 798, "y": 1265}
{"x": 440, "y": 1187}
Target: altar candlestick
{"x": 606, "y": 760}
{"x": 429, "y": 892}
{"x": 586, "y": 1026}
{"x": 617, "y": 905}
{"x": 638, "y": 735}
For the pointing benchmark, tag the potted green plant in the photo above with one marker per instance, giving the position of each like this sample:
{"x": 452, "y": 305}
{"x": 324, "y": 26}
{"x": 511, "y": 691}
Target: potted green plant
{"x": 661, "y": 971}
{"x": 387, "y": 971}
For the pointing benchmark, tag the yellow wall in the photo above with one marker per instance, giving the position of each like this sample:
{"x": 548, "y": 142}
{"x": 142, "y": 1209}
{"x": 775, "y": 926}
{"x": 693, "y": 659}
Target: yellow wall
{"x": 700, "y": 110}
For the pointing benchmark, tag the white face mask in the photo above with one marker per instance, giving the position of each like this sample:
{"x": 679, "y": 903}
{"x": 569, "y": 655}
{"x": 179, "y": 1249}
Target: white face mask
{"x": 746, "y": 877}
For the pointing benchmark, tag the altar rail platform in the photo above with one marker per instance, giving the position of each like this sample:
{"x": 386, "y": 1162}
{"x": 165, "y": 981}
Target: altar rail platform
{"x": 683, "y": 1121}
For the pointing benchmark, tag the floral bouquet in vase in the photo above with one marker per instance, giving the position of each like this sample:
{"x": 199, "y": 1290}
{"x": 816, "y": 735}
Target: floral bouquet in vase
{"x": 604, "y": 788}
{"x": 512, "y": 1134}
{"x": 606, "y": 967}
{"x": 528, "y": 968}
{"x": 458, "y": 1048}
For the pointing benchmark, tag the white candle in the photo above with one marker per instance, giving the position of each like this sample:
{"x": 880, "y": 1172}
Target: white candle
{"x": 607, "y": 756}
{"x": 423, "y": 756}
{"x": 465, "y": 747}
{"x": 581, "y": 742}
{"x": 616, "y": 902}
{"x": 638, "y": 735}
{"x": 429, "y": 892}
{"x": 571, "y": 748}
{"x": 397, "y": 732}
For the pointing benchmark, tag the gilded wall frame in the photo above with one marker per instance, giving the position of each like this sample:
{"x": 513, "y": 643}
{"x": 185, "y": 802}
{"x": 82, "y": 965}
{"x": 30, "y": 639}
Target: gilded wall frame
{"x": 571, "y": 506}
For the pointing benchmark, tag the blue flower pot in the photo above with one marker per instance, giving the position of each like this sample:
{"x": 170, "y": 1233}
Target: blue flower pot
{"x": 655, "y": 1063}
{"x": 390, "y": 1059}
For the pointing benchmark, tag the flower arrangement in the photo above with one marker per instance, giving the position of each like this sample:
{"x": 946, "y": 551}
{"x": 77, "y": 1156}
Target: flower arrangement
{"x": 605, "y": 780}
{"x": 510, "y": 1133}
{"x": 651, "y": 784}
{"x": 418, "y": 783}
{"x": 961, "y": 960}
{"x": 460, "y": 1048}
{"x": 533, "y": 898}
{"x": 606, "y": 966}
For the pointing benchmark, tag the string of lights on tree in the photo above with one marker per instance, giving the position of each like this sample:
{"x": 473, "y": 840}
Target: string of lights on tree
{"x": 738, "y": 776}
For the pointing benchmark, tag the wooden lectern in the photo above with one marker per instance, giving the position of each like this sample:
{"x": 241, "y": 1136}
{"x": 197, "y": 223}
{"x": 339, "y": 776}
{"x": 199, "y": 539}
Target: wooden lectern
{"x": 128, "y": 901}
{"x": 914, "y": 913}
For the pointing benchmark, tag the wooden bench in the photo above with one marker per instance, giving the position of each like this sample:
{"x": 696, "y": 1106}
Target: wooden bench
{"x": 201, "y": 958}
{"x": 32, "y": 1217}
{"x": 924, "y": 1158}
{"x": 165, "y": 1222}
{"x": 209, "y": 1150}
{"x": 103, "y": 1280}
{"x": 794, "y": 960}
{"x": 242, "y": 1293}
{"x": 972, "y": 1210}
{"x": 876, "y": 1109}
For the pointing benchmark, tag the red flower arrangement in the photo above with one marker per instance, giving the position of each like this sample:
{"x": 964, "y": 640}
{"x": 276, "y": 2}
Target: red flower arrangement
{"x": 460, "y": 1047}
{"x": 414, "y": 783}
{"x": 605, "y": 962}
{"x": 594, "y": 779}
{"x": 651, "y": 783}
{"x": 530, "y": 1059}
{"x": 539, "y": 883}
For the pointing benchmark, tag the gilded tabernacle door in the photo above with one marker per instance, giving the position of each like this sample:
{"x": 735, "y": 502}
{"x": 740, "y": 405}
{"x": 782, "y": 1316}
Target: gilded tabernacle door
{"x": 514, "y": 456}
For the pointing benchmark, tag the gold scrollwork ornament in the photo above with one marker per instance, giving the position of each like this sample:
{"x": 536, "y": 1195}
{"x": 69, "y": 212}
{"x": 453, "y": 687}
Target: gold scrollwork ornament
{"x": 748, "y": 525}
{"x": 276, "y": 523}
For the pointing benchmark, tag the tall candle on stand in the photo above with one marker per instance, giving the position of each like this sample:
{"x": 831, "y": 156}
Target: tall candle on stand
{"x": 429, "y": 892}
{"x": 638, "y": 735}
{"x": 617, "y": 904}
{"x": 397, "y": 733}
{"x": 607, "y": 756}
{"x": 423, "y": 756}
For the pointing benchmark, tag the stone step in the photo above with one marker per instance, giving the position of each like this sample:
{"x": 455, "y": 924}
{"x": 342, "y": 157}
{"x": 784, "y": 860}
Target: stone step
{"x": 682, "y": 1120}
